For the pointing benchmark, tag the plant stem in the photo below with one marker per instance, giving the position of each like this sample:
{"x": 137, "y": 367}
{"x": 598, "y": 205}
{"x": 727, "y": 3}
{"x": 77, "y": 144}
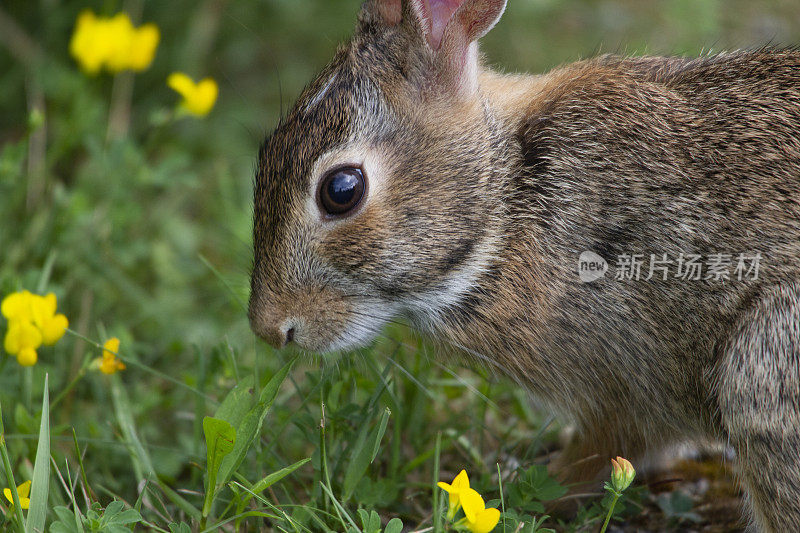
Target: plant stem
{"x": 325, "y": 472}
{"x": 437, "y": 515}
{"x": 27, "y": 388}
{"x": 502, "y": 497}
{"x": 610, "y": 511}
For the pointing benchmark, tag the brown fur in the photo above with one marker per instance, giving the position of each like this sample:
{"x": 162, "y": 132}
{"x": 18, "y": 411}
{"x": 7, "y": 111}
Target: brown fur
{"x": 489, "y": 187}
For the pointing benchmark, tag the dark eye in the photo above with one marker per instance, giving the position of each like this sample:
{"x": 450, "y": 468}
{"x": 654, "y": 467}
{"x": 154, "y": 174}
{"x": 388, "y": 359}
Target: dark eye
{"x": 342, "y": 190}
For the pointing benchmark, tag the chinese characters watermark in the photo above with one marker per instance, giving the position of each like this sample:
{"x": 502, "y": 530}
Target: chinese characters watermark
{"x": 717, "y": 267}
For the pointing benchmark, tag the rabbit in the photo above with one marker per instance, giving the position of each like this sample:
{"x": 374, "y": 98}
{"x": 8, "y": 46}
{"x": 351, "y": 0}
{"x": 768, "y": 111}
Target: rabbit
{"x": 518, "y": 219}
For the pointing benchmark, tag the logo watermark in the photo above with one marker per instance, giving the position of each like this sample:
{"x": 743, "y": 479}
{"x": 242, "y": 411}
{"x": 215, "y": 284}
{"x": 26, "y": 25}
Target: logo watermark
{"x": 591, "y": 267}
{"x": 717, "y": 267}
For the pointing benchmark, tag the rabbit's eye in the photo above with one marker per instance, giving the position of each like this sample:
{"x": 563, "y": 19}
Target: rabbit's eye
{"x": 341, "y": 190}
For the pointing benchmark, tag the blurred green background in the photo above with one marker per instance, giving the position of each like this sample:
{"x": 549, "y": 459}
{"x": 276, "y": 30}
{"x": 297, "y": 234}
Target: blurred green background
{"x": 141, "y": 223}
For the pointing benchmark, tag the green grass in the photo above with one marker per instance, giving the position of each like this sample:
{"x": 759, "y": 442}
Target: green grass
{"x": 140, "y": 222}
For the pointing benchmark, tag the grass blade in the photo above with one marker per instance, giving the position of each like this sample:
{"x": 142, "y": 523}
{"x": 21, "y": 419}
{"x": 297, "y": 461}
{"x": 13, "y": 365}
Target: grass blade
{"x": 274, "y": 477}
{"x": 437, "y": 514}
{"x": 364, "y": 452}
{"x": 142, "y": 464}
{"x": 342, "y": 511}
{"x": 179, "y": 501}
{"x": 37, "y": 513}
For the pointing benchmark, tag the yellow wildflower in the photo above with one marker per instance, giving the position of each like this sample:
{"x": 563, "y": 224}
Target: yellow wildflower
{"x": 143, "y": 47}
{"x": 460, "y": 483}
{"x": 113, "y": 43}
{"x": 23, "y": 491}
{"x": 109, "y": 363}
{"x": 17, "y": 305}
{"x": 32, "y": 321}
{"x": 21, "y": 334}
{"x": 52, "y": 325}
{"x": 114, "y": 36}
{"x": 478, "y": 519}
{"x": 198, "y": 98}
{"x": 84, "y": 46}
{"x": 22, "y": 341}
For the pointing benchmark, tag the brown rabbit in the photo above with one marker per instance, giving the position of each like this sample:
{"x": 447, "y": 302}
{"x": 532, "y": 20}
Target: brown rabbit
{"x": 409, "y": 181}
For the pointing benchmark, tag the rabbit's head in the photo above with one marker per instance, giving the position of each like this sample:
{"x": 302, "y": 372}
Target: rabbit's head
{"x": 376, "y": 195}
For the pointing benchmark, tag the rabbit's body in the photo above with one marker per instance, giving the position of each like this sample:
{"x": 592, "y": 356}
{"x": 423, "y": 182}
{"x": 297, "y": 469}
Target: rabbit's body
{"x": 650, "y": 156}
{"x": 483, "y": 191}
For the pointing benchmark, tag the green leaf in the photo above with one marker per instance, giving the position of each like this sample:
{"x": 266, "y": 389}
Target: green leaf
{"x": 537, "y": 483}
{"x": 237, "y": 403}
{"x": 274, "y": 477}
{"x": 364, "y": 452}
{"x": 395, "y": 525}
{"x": 374, "y": 524}
{"x": 364, "y": 516}
{"x": 182, "y": 527}
{"x": 66, "y": 523}
{"x": 220, "y": 440}
{"x": 116, "y": 514}
{"x": 37, "y": 513}
{"x": 379, "y": 436}
{"x": 250, "y": 427}
{"x": 370, "y": 521}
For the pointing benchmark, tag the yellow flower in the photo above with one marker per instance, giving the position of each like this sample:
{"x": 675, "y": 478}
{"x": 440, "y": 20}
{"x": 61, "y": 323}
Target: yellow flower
{"x": 23, "y": 491}
{"x": 143, "y": 47}
{"x": 22, "y": 339}
{"x": 115, "y": 37}
{"x": 109, "y": 363}
{"x": 478, "y": 518}
{"x": 32, "y": 321}
{"x": 198, "y": 98}
{"x": 460, "y": 483}
{"x": 622, "y": 474}
{"x": 52, "y": 325}
{"x": 84, "y": 46}
{"x": 17, "y": 305}
{"x": 113, "y": 43}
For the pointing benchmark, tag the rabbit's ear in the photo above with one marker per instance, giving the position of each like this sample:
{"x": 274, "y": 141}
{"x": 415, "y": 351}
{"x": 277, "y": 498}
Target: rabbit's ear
{"x": 452, "y": 27}
{"x": 448, "y": 29}
{"x": 456, "y": 23}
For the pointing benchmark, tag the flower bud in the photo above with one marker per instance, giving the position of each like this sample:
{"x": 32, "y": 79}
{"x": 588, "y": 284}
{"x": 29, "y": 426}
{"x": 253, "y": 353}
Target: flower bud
{"x": 622, "y": 474}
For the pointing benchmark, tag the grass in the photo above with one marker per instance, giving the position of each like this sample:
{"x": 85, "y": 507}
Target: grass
{"x": 139, "y": 220}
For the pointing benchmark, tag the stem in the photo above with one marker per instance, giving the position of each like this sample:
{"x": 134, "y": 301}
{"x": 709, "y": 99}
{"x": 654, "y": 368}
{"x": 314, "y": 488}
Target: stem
{"x": 610, "y": 511}
{"x": 437, "y": 514}
{"x": 119, "y": 113}
{"x": 502, "y": 497}
{"x": 27, "y": 387}
{"x": 10, "y": 478}
{"x": 325, "y": 464}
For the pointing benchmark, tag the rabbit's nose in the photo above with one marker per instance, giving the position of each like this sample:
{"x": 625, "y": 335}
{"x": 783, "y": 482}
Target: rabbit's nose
{"x": 277, "y": 336}
{"x": 276, "y": 331}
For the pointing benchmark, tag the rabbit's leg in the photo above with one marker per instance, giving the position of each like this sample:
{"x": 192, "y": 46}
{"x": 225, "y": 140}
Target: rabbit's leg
{"x": 759, "y": 395}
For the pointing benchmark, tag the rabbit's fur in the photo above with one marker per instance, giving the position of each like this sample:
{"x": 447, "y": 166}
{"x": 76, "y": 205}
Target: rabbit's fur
{"x": 483, "y": 191}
